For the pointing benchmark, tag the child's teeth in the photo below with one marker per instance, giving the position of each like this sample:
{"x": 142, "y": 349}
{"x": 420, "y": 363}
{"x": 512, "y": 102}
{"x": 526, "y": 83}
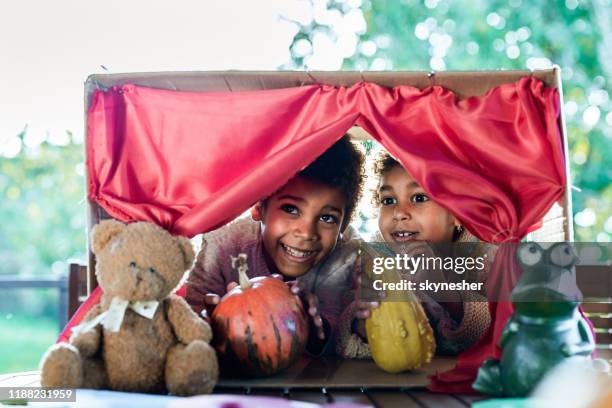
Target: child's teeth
{"x": 296, "y": 252}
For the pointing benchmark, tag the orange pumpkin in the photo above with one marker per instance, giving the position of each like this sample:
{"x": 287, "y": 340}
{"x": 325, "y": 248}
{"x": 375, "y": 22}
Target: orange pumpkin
{"x": 260, "y": 327}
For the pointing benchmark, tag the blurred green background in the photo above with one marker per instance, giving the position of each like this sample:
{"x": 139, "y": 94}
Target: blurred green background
{"x": 42, "y": 210}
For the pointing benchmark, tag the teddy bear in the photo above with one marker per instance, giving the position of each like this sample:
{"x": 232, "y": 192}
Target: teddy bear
{"x": 140, "y": 337}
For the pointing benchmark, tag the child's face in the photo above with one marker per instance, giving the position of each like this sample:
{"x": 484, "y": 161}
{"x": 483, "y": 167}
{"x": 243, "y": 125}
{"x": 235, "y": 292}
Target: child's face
{"x": 300, "y": 225}
{"x": 408, "y": 214}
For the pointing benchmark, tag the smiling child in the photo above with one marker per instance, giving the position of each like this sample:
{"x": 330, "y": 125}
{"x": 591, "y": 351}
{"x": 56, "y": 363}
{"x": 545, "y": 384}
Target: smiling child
{"x": 409, "y": 220}
{"x": 300, "y": 232}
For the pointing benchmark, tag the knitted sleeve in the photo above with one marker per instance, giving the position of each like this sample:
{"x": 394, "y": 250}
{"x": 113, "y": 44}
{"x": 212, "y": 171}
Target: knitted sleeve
{"x": 349, "y": 344}
{"x": 204, "y": 278}
{"x": 474, "y": 324}
{"x": 455, "y": 337}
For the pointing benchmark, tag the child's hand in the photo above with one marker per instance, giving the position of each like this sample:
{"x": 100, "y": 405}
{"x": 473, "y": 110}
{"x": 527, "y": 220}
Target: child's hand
{"x": 365, "y": 298}
{"x": 210, "y": 301}
{"x": 364, "y": 304}
{"x": 312, "y": 302}
{"x": 363, "y": 309}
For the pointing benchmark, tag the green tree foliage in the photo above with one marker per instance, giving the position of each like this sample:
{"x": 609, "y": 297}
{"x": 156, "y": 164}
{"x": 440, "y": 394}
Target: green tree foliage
{"x": 42, "y": 217}
{"x": 515, "y": 34}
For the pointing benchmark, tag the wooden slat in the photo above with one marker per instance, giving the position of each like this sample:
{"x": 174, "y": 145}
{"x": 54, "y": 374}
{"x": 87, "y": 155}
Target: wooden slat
{"x": 229, "y": 390}
{"x": 599, "y": 314}
{"x": 370, "y": 397}
{"x": 594, "y": 281}
{"x": 469, "y": 399}
{"x": 267, "y": 392}
{"x": 599, "y": 307}
{"x": 317, "y": 371}
{"x": 603, "y": 336}
{"x": 314, "y": 395}
{"x": 354, "y": 396}
{"x": 391, "y": 399}
{"x": 73, "y": 289}
{"x": 352, "y": 372}
{"x": 601, "y": 320}
{"x": 77, "y": 287}
{"x": 284, "y": 379}
{"x": 428, "y": 399}
{"x": 338, "y": 373}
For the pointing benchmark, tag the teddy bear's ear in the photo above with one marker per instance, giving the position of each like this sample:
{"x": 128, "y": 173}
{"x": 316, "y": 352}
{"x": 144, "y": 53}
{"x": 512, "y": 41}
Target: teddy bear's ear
{"x": 187, "y": 250}
{"x": 103, "y": 232}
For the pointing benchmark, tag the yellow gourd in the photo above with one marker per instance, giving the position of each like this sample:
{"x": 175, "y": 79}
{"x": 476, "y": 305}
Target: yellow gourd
{"x": 400, "y": 336}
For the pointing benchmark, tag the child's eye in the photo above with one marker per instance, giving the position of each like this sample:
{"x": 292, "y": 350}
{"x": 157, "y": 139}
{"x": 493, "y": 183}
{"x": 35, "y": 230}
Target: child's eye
{"x": 329, "y": 219}
{"x": 289, "y": 209}
{"x": 419, "y": 198}
{"x": 388, "y": 201}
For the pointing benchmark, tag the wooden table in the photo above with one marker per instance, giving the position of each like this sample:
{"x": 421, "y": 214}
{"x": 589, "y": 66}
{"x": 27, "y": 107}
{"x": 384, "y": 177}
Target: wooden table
{"x": 327, "y": 380}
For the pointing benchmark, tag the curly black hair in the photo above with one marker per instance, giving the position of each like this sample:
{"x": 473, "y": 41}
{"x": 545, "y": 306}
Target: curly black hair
{"x": 384, "y": 162}
{"x": 342, "y": 167}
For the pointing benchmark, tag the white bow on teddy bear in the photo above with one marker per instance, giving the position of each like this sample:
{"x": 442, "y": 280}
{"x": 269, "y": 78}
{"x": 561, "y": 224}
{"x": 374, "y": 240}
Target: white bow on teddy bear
{"x": 111, "y": 319}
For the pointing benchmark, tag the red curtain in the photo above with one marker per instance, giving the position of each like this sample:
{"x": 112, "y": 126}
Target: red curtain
{"x": 193, "y": 161}
{"x": 503, "y": 277}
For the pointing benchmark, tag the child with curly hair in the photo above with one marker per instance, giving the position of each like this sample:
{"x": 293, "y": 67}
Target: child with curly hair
{"x": 409, "y": 220}
{"x": 300, "y": 233}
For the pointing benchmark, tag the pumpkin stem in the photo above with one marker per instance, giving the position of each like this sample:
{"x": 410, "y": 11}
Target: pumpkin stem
{"x": 240, "y": 263}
